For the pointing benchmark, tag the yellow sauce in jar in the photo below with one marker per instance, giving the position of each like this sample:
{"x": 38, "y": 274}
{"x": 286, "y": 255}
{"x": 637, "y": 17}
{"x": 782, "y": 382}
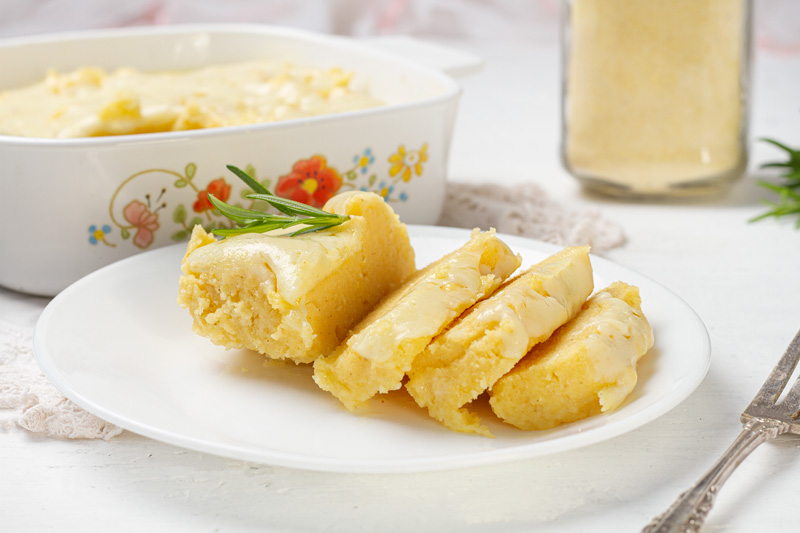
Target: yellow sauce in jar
{"x": 654, "y": 101}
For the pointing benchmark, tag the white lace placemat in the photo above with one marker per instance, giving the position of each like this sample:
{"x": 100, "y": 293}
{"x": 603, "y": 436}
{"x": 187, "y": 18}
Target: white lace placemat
{"x": 30, "y": 402}
{"x": 526, "y": 210}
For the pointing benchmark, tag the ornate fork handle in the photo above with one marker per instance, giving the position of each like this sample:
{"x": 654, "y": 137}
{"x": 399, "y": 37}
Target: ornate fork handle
{"x": 689, "y": 511}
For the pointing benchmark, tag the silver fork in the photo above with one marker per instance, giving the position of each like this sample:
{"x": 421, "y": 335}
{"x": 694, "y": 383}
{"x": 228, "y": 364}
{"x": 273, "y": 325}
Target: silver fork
{"x": 764, "y": 419}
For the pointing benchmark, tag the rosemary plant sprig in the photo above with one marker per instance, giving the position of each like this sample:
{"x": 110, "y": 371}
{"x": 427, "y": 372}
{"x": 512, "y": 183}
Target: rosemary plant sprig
{"x": 252, "y": 221}
{"x": 788, "y": 192}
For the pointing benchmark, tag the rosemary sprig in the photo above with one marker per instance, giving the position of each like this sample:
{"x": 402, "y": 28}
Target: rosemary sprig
{"x": 788, "y": 194}
{"x": 252, "y": 221}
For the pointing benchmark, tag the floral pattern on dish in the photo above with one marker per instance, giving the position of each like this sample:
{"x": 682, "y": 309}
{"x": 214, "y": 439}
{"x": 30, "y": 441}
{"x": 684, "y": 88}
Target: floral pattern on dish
{"x": 136, "y": 206}
{"x": 408, "y": 163}
{"x": 219, "y": 188}
{"x": 143, "y": 220}
{"x": 311, "y": 182}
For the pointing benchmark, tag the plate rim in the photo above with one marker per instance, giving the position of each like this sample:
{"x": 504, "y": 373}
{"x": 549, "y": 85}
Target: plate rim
{"x": 281, "y": 458}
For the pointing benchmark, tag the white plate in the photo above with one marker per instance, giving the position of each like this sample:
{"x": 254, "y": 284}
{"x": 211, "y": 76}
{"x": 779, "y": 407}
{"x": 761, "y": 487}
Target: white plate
{"x": 118, "y": 345}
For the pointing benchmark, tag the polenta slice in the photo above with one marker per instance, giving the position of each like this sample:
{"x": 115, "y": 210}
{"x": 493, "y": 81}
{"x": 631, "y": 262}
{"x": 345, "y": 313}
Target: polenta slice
{"x": 378, "y": 353}
{"x": 296, "y": 297}
{"x": 491, "y": 337}
{"x": 588, "y": 366}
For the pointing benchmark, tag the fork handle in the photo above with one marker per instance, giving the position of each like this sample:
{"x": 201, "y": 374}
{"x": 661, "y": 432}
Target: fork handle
{"x": 689, "y": 511}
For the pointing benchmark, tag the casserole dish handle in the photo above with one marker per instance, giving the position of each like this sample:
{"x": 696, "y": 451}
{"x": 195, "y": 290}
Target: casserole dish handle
{"x": 453, "y": 62}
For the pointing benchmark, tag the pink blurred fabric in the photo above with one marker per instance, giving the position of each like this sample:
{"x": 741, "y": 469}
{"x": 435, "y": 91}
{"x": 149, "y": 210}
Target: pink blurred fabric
{"x": 452, "y": 19}
{"x": 777, "y": 21}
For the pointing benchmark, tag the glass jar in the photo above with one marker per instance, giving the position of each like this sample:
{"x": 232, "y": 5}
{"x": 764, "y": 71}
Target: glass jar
{"x": 655, "y": 95}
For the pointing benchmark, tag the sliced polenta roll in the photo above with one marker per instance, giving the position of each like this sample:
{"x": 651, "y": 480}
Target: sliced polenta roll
{"x": 296, "y": 297}
{"x": 588, "y": 366}
{"x": 491, "y": 337}
{"x": 379, "y": 351}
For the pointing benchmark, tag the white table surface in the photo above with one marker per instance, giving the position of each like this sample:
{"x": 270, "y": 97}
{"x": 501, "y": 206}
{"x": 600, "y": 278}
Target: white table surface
{"x": 742, "y": 279}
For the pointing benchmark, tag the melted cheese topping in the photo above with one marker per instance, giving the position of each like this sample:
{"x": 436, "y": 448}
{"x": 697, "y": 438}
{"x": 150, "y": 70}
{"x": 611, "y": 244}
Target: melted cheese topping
{"x": 91, "y": 102}
{"x": 538, "y": 301}
{"x": 586, "y": 367}
{"x": 296, "y": 265}
{"x": 618, "y": 338}
{"x": 486, "y": 342}
{"x": 380, "y": 350}
{"x": 421, "y": 315}
{"x": 296, "y": 297}
{"x": 554, "y": 294}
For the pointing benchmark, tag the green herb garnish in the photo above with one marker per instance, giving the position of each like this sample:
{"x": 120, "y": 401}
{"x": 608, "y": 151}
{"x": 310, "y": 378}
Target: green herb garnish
{"x": 788, "y": 192}
{"x": 252, "y": 221}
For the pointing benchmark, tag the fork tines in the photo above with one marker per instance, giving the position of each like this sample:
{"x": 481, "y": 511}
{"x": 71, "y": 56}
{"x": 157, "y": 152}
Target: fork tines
{"x": 766, "y": 404}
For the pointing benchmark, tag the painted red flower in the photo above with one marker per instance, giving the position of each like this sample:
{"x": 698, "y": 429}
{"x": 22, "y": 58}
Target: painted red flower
{"x": 311, "y": 182}
{"x": 219, "y": 188}
{"x": 144, "y": 220}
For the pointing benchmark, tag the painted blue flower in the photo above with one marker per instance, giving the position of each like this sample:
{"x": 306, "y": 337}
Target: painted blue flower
{"x": 364, "y": 160}
{"x": 385, "y": 191}
{"x": 97, "y": 235}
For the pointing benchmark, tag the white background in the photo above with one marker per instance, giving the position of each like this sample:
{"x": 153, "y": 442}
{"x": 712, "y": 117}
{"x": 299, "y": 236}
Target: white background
{"x": 742, "y": 279}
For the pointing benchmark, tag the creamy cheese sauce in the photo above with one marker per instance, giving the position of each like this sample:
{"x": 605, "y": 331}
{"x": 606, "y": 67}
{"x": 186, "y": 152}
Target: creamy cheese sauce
{"x": 91, "y": 102}
{"x": 434, "y": 298}
{"x": 535, "y": 314}
{"x": 619, "y": 339}
{"x": 296, "y": 264}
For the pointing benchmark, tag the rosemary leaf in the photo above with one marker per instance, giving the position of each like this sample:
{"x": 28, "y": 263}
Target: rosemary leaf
{"x": 776, "y": 165}
{"x": 312, "y": 229}
{"x": 252, "y": 221}
{"x": 254, "y": 228}
{"x": 253, "y": 184}
{"x": 237, "y": 214}
{"x": 788, "y": 199}
{"x": 248, "y": 179}
{"x": 792, "y": 153}
{"x": 290, "y": 207}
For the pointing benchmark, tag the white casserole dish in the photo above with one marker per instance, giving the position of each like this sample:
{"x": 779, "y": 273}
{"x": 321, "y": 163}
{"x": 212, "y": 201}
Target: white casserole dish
{"x": 74, "y": 205}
